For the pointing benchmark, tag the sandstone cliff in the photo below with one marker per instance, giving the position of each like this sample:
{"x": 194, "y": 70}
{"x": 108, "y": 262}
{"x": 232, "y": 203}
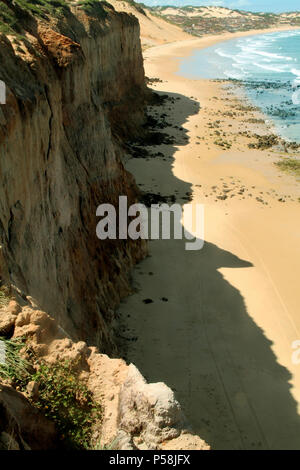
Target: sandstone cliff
{"x": 75, "y": 89}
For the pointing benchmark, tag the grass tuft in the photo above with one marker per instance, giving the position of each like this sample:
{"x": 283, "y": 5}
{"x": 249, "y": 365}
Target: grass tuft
{"x": 16, "y": 368}
{"x": 110, "y": 446}
{"x": 4, "y": 296}
{"x": 291, "y": 165}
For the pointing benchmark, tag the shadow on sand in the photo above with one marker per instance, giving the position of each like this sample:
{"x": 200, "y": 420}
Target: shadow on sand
{"x": 197, "y": 336}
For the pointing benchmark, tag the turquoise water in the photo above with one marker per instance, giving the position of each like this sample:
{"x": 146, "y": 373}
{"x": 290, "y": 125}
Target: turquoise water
{"x": 268, "y": 66}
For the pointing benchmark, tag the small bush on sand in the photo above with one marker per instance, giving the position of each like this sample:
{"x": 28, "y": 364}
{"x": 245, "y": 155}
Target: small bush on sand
{"x": 289, "y": 164}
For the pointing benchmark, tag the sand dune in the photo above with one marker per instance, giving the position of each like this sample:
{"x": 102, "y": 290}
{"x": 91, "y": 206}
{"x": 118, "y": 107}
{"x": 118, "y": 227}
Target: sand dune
{"x": 211, "y": 12}
{"x": 154, "y": 30}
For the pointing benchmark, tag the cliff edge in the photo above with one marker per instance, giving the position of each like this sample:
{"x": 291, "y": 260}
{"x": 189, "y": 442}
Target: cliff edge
{"x": 75, "y": 91}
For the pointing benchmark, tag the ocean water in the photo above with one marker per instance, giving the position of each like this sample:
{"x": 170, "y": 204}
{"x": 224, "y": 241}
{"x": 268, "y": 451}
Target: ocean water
{"x": 268, "y": 65}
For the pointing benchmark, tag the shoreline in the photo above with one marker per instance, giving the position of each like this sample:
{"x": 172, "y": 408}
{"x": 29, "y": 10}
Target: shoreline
{"x": 174, "y": 52}
{"x": 187, "y": 47}
{"x": 221, "y": 322}
{"x": 239, "y": 84}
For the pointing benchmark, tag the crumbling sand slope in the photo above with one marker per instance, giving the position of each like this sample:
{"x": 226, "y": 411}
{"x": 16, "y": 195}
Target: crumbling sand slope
{"x": 154, "y": 30}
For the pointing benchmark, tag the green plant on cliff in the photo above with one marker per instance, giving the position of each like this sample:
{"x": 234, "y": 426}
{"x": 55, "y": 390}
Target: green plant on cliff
{"x": 4, "y": 296}
{"x": 62, "y": 397}
{"x": 15, "y": 368}
{"x": 66, "y": 400}
{"x": 94, "y": 7}
{"x": 13, "y": 14}
{"x": 41, "y": 7}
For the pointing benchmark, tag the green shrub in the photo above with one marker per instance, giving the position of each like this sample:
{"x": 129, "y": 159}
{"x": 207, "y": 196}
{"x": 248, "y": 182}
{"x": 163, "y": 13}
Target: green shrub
{"x": 67, "y": 401}
{"x": 61, "y": 396}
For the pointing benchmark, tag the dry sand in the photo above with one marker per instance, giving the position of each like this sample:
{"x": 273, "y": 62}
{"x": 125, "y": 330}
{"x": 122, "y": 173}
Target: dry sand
{"x": 223, "y": 338}
{"x": 154, "y": 30}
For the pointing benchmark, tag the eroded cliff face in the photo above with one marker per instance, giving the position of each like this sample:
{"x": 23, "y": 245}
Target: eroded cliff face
{"x": 134, "y": 414}
{"x": 75, "y": 91}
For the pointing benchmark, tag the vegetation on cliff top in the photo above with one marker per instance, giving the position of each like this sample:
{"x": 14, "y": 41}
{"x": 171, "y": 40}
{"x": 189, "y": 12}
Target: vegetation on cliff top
{"x": 13, "y": 14}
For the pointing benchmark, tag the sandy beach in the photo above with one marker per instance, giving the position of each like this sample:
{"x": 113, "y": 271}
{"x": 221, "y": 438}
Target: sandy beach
{"x": 222, "y": 321}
